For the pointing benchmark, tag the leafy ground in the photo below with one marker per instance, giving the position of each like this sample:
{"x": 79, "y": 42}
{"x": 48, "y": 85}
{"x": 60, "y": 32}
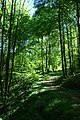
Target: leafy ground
{"x": 49, "y": 101}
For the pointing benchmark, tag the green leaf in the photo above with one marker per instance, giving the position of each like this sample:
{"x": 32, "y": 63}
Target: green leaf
{"x": 0, "y": 12}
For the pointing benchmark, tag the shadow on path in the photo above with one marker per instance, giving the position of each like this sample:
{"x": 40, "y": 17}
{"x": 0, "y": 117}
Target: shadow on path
{"x": 49, "y": 102}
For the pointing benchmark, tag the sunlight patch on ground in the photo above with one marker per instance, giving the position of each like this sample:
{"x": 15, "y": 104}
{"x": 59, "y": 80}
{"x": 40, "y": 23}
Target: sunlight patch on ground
{"x": 38, "y": 86}
{"x": 52, "y": 87}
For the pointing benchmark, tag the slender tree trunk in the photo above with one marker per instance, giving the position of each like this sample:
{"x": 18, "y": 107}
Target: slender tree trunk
{"x": 49, "y": 55}
{"x": 48, "y": 59}
{"x": 78, "y": 24}
{"x": 2, "y": 49}
{"x": 46, "y": 56}
{"x": 13, "y": 54}
{"x": 12, "y": 62}
{"x": 42, "y": 55}
{"x": 64, "y": 54}
{"x": 71, "y": 46}
{"x": 61, "y": 43}
{"x": 69, "y": 53}
{"x": 8, "y": 54}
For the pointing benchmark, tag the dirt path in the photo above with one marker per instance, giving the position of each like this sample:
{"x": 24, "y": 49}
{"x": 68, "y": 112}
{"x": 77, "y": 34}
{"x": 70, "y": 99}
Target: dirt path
{"x": 49, "y": 102}
{"x": 44, "y": 85}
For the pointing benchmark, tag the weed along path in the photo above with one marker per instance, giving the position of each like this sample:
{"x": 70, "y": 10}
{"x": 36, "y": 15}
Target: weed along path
{"x": 49, "y": 101}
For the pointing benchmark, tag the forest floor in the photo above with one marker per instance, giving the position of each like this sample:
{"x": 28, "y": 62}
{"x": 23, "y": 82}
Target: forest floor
{"x": 48, "y": 100}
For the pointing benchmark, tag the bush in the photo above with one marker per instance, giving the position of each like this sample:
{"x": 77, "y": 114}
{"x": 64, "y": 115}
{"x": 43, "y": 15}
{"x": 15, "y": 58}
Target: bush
{"x": 72, "y": 82}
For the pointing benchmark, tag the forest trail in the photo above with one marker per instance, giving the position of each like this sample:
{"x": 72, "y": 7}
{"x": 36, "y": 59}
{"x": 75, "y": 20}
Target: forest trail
{"x": 48, "y": 101}
{"x": 49, "y": 85}
{"x": 45, "y": 85}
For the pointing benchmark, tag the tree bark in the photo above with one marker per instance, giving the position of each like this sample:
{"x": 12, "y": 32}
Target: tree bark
{"x": 2, "y": 49}
{"x": 64, "y": 54}
{"x": 8, "y": 54}
{"x": 49, "y": 55}
{"x": 69, "y": 53}
{"x": 13, "y": 54}
{"x": 61, "y": 42}
{"x": 71, "y": 46}
{"x": 46, "y": 56}
{"x": 42, "y": 55}
{"x": 78, "y": 24}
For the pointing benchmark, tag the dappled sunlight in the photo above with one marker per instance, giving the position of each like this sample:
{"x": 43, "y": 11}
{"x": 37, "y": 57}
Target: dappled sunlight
{"x": 40, "y": 59}
{"x": 48, "y": 105}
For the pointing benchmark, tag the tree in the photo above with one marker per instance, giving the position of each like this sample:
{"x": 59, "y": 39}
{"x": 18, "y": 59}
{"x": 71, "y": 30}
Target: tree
{"x": 12, "y": 15}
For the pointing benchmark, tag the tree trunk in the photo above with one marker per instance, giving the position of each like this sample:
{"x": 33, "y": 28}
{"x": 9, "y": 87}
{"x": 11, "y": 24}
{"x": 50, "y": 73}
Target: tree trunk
{"x": 46, "y": 56}
{"x": 64, "y": 54}
{"x": 69, "y": 53}
{"x": 61, "y": 42}
{"x": 8, "y": 54}
{"x": 2, "y": 49}
{"x": 13, "y": 54}
{"x": 42, "y": 55}
{"x": 71, "y": 46}
{"x": 49, "y": 55}
{"x": 78, "y": 24}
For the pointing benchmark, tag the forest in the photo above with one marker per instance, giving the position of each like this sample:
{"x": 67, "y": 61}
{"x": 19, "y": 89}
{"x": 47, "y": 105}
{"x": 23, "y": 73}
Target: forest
{"x": 40, "y": 60}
